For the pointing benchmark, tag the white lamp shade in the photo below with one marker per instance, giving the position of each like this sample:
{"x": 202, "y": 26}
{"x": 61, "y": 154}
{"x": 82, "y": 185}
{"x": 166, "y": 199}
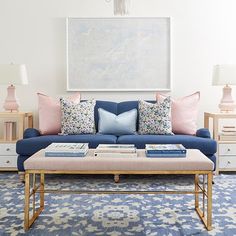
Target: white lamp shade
{"x": 13, "y": 74}
{"x": 224, "y": 74}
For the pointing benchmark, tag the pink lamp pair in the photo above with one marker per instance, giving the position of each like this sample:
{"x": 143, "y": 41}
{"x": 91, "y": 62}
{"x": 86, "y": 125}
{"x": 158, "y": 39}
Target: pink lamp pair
{"x": 14, "y": 75}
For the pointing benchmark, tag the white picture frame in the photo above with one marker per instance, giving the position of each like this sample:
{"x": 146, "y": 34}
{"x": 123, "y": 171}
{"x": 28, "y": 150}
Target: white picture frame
{"x": 118, "y": 54}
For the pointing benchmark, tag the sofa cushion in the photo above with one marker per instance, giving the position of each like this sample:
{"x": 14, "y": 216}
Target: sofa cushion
{"x": 206, "y": 146}
{"x": 155, "y": 118}
{"x": 124, "y": 123}
{"x": 49, "y": 110}
{"x": 77, "y": 118}
{"x": 32, "y": 145}
{"x": 184, "y": 113}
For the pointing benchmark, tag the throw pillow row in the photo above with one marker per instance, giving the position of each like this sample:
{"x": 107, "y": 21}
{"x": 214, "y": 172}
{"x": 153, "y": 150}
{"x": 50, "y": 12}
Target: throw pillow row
{"x": 73, "y": 117}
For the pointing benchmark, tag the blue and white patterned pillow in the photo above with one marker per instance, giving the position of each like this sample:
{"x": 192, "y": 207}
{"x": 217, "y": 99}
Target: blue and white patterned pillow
{"x": 155, "y": 118}
{"x": 77, "y": 118}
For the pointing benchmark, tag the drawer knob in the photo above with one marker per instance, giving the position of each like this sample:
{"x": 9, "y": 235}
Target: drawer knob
{"x": 8, "y": 149}
{"x": 228, "y": 149}
{"x": 229, "y": 162}
{"x": 8, "y": 162}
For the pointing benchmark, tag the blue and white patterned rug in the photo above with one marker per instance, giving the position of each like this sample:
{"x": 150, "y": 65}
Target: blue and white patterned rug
{"x": 118, "y": 215}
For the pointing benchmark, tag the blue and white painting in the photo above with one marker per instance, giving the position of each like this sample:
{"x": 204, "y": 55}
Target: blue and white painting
{"x": 118, "y": 54}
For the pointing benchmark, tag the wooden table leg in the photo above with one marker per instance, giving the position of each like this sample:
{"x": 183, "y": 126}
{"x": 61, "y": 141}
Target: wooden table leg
{"x": 27, "y": 201}
{"x": 196, "y": 182}
{"x": 209, "y": 201}
{"x": 42, "y": 190}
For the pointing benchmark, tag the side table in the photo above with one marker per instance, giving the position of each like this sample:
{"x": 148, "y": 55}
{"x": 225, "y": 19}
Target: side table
{"x": 8, "y": 155}
{"x": 226, "y": 154}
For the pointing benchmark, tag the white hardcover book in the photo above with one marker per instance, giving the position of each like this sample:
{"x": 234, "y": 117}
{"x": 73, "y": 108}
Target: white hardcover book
{"x": 229, "y": 129}
{"x": 115, "y": 155}
{"x": 227, "y": 137}
{"x": 66, "y": 154}
{"x": 67, "y": 148}
{"x": 116, "y": 148}
{"x": 228, "y": 133}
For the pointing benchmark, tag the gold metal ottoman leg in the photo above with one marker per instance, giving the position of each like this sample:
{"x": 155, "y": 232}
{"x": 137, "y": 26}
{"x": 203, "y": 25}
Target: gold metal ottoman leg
{"x": 42, "y": 191}
{"x": 27, "y": 201}
{"x": 196, "y": 182}
{"x": 209, "y": 201}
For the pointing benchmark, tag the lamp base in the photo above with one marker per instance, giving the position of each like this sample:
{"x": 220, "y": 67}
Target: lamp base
{"x": 227, "y": 107}
{"x": 11, "y": 103}
{"x": 227, "y": 103}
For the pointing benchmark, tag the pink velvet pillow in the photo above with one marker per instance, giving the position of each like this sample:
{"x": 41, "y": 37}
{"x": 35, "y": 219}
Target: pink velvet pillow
{"x": 184, "y": 112}
{"x": 50, "y": 113}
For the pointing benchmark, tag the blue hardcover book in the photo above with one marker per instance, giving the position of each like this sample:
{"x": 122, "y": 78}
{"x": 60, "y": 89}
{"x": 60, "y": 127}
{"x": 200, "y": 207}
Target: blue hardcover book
{"x": 179, "y": 155}
{"x": 174, "y": 149}
{"x": 166, "y": 151}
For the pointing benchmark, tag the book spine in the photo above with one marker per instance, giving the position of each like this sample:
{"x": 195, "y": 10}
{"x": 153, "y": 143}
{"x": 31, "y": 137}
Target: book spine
{"x": 50, "y": 154}
{"x": 116, "y": 150}
{"x": 228, "y": 133}
{"x": 166, "y": 151}
{"x": 67, "y": 152}
{"x": 166, "y": 155}
{"x": 227, "y": 137}
{"x": 115, "y": 155}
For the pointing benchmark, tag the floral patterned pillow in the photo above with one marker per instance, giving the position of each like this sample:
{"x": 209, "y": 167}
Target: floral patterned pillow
{"x": 77, "y": 118}
{"x": 155, "y": 118}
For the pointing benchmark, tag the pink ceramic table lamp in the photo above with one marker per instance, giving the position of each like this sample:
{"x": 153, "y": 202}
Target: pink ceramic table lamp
{"x": 225, "y": 75}
{"x": 12, "y": 74}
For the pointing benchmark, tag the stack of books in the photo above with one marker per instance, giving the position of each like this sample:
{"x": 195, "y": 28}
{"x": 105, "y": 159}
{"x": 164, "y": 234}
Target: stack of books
{"x": 66, "y": 150}
{"x": 165, "y": 150}
{"x": 115, "y": 150}
{"x": 228, "y": 133}
{"x": 9, "y": 131}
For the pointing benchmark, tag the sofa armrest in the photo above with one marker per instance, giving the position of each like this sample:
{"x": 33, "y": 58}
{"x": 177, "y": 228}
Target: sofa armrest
{"x": 203, "y": 133}
{"x": 30, "y": 133}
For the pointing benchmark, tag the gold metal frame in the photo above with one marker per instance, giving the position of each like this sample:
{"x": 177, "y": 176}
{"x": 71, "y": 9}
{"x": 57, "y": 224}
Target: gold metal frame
{"x": 205, "y": 189}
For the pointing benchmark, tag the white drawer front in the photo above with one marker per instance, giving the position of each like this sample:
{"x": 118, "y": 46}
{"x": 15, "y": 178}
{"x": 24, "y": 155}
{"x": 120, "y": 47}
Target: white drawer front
{"x": 8, "y": 161}
{"x": 7, "y": 149}
{"x": 227, "y": 162}
{"x": 227, "y": 149}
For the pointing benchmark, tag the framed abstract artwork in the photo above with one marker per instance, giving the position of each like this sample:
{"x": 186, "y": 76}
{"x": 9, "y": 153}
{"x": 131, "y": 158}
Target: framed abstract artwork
{"x": 118, "y": 54}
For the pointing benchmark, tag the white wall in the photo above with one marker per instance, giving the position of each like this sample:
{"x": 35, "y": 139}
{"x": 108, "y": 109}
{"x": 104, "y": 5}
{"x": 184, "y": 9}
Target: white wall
{"x": 33, "y": 32}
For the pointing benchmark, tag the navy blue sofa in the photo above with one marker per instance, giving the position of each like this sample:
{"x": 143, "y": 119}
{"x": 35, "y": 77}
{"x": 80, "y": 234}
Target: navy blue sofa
{"x": 33, "y": 141}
